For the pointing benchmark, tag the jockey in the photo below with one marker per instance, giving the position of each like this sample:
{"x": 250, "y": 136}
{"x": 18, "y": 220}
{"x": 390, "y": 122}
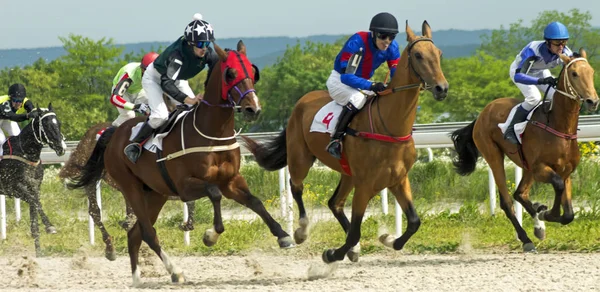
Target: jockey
{"x": 362, "y": 53}
{"x": 14, "y": 107}
{"x": 530, "y": 71}
{"x": 127, "y": 93}
{"x": 180, "y": 61}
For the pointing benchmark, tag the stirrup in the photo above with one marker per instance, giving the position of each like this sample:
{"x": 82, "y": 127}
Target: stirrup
{"x": 335, "y": 148}
{"x": 511, "y": 136}
{"x": 133, "y": 151}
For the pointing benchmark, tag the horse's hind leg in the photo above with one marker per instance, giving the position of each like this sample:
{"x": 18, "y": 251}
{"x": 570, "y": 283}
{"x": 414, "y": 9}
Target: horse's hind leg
{"x": 95, "y": 213}
{"x": 35, "y": 196}
{"x": 35, "y": 228}
{"x": 403, "y": 195}
{"x": 521, "y": 195}
{"x": 495, "y": 159}
{"x": 562, "y": 196}
{"x": 238, "y": 190}
{"x": 336, "y": 205}
{"x": 189, "y": 224}
{"x": 300, "y": 160}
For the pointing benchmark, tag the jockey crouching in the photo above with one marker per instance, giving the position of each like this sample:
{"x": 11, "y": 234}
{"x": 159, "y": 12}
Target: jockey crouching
{"x": 14, "y": 107}
{"x": 530, "y": 72}
{"x": 354, "y": 65}
{"x": 180, "y": 61}
{"x": 127, "y": 92}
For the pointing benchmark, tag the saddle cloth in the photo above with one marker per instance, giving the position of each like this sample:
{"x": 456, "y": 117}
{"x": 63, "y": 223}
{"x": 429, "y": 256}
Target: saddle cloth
{"x": 519, "y": 127}
{"x": 326, "y": 118}
{"x": 156, "y": 140}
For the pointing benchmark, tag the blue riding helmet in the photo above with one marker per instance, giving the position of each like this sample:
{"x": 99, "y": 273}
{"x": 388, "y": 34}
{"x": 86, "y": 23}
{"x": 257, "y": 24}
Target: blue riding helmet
{"x": 556, "y": 31}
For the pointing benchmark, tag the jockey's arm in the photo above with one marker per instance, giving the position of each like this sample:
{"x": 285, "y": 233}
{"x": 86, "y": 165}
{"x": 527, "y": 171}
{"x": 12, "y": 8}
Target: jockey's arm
{"x": 392, "y": 61}
{"x": 167, "y": 81}
{"x": 6, "y": 113}
{"x": 351, "y": 79}
{"x": 117, "y": 95}
{"x": 28, "y": 106}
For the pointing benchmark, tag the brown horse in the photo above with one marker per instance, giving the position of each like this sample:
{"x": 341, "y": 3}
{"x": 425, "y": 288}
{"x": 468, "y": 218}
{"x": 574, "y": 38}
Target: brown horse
{"x": 72, "y": 169}
{"x": 549, "y": 152}
{"x": 374, "y": 165}
{"x": 210, "y": 166}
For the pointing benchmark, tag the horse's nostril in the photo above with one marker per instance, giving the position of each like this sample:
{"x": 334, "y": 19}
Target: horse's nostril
{"x": 249, "y": 110}
{"x": 439, "y": 88}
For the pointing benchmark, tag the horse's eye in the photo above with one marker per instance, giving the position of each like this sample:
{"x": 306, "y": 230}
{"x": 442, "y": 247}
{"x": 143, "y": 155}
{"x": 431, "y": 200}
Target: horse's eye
{"x": 419, "y": 56}
{"x": 574, "y": 74}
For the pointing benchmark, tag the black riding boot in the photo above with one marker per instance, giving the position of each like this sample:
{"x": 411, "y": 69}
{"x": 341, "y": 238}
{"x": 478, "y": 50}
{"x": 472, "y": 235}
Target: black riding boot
{"x": 520, "y": 116}
{"x": 134, "y": 150}
{"x": 335, "y": 146}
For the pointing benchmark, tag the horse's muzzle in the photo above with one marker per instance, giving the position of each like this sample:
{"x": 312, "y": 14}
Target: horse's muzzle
{"x": 251, "y": 114}
{"x": 440, "y": 91}
{"x": 591, "y": 104}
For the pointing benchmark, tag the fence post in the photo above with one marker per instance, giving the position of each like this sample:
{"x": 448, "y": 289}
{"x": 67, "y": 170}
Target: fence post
{"x": 492, "y": 190}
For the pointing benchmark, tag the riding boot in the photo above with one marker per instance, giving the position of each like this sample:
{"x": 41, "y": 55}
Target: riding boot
{"x": 335, "y": 145}
{"x": 134, "y": 150}
{"x": 520, "y": 116}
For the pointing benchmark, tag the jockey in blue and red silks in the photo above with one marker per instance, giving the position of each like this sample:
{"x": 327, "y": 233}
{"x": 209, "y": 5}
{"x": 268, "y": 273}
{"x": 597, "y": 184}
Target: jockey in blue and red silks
{"x": 355, "y": 64}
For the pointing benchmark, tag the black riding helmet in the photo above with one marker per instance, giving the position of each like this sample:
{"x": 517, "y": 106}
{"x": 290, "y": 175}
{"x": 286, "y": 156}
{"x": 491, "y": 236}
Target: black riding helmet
{"x": 17, "y": 92}
{"x": 384, "y": 23}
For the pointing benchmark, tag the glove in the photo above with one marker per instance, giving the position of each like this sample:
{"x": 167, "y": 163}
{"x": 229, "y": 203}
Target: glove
{"x": 547, "y": 80}
{"x": 378, "y": 87}
{"x": 33, "y": 114}
{"x": 141, "y": 108}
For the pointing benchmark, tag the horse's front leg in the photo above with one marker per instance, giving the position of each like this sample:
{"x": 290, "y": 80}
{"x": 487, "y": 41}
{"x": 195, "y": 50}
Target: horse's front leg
{"x": 521, "y": 195}
{"x": 238, "y": 190}
{"x": 403, "y": 195}
{"x": 193, "y": 189}
{"x": 562, "y": 191}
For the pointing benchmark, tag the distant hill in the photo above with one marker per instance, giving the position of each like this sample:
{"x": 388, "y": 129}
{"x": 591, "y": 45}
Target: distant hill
{"x": 263, "y": 51}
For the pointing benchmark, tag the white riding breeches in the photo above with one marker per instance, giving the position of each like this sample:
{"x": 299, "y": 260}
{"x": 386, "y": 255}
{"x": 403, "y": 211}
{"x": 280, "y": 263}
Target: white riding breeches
{"x": 11, "y": 128}
{"x": 124, "y": 114}
{"x": 151, "y": 84}
{"x": 343, "y": 94}
{"x": 532, "y": 93}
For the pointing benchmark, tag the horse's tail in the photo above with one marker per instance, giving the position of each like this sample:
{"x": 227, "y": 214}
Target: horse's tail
{"x": 466, "y": 149}
{"x": 271, "y": 155}
{"x": 94, "y": 168}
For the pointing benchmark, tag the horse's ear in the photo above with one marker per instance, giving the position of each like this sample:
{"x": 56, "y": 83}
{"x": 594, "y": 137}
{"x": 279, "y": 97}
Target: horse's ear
{"x": 582, "y": 53}
{"x": 241, "y": 47}
{"x": 50, "y": 107}
{"x": 565, "y": 59}
{"x": 410, "y": 35}
{"x": 256, "y": 73}
{"x": 426, "y": 30}
{"x": 222, "y": 54}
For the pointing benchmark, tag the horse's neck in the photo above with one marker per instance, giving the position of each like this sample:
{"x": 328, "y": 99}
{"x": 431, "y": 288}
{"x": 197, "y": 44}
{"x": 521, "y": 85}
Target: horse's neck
{"x": 30, "y": 148}
{"x": 564, "y": 116}
{"x": 394, "y": 114}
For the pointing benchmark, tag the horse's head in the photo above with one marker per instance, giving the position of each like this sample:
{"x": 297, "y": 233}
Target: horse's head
{"x": 239, "y": 77}
{"x": 424, "y": 58}
{"x": 576, "y": 80}
{"x": 46, "y": 130}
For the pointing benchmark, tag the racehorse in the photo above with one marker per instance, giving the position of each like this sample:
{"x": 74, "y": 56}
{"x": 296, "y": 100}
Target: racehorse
{"x": 210, "y": 166}
{"x": 21, "y": 171}
{"x": 549, "y": 152}
{"x": 378, "y": 153}
{"x": 72, "y": 169}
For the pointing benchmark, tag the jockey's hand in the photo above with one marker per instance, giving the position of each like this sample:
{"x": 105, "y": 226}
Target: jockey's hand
{"x": 200, "y": 96}
{"x": 548, "y": 80}
{"x": 33, "y": 114}
{"x": 141, "y": 108}
{"x": 191, "y": 101}
{"x": 378, "y": 87}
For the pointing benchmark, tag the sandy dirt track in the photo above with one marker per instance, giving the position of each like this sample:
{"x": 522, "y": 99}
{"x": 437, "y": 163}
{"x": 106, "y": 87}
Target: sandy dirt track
{"x": 260, "y": 272}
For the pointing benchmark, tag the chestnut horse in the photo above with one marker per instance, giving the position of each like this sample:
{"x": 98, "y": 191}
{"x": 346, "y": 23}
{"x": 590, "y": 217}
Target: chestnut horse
{"x": 549, "y": 151}
{"x": 373, "y": 164}
{"x": 210, "y": 166}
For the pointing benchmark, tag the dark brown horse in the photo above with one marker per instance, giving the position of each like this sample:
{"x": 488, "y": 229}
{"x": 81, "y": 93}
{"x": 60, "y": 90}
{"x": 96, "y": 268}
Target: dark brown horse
{"x": 374, "y": 165}
{"x": 72, "y": 169}
{"x": 210, "y": 166}
{"x": 549, "y": 151}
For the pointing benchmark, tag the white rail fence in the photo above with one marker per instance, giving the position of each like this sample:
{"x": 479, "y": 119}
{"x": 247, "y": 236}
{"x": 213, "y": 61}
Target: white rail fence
{"x": 426, "y": 136}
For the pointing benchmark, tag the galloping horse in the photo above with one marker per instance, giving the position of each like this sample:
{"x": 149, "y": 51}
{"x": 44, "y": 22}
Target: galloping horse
{"x": 549, "y": 152}
{"x": 72, "y": 169}
{"x": 21, "y": 171}
{"x": 375, "y": 161}
{"x": 206, "y": 137}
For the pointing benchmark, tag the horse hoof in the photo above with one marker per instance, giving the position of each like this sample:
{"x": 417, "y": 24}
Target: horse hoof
{"x": 387, "y": 240}
{"x": 354, "y": 253}
{"x": 540, "y": 233}
{"x": 51, "y": 230}
{"x": 539, "y": 207}
{"x": 186, "y": 226}
{"x": 286, "y": 242}
{"x": 529, "y": 247}
{"x": 210, "y": 237}
{"x": 328, "y": 256}
{"x": 110, "y": 255}
{"x": 177, "y": 278}
{"x": 300, "y": 235}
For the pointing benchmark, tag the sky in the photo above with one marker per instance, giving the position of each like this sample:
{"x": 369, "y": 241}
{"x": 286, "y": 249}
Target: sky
{"x": 39, "y": 23}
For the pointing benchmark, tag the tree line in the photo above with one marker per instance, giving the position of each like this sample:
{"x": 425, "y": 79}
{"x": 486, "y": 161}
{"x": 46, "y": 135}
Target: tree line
{"x": 78, "y": 84}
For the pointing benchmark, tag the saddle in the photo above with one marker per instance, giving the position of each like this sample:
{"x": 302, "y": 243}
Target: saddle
{"x": 168, "y": 126}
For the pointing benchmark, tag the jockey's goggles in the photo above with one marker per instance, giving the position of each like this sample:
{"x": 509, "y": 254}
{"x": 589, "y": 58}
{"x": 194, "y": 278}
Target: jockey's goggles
{"x": 200, "y": 44}
{"x": 386, "y": 35}
{"x": 559, "y": 42}
{"x": 16, "y": 100}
